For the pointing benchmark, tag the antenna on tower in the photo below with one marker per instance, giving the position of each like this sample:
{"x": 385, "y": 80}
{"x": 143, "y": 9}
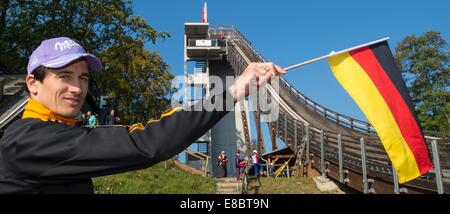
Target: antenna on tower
{"x": 205, "y": 13}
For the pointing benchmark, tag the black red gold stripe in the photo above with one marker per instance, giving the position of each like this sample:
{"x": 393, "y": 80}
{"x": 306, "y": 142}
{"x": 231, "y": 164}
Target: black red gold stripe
{"x": 370, "y": 76}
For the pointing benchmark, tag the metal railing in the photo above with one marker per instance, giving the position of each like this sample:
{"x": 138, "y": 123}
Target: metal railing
{"x": 336, "y": 117}
{"x": 204, "y": 159}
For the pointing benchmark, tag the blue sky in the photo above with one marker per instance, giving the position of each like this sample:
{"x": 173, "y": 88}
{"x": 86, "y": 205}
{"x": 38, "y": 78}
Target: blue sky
{"x": 287, "y": 32}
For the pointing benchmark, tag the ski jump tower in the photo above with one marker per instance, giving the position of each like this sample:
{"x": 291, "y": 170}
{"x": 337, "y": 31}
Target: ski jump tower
{"x": 203, "y": 58}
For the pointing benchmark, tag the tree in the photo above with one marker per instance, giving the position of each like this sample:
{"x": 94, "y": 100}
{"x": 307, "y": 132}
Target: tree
{"x": 106, "y": 28}
{"x": 424, "y": 62}
{"x": 143, "y": 85}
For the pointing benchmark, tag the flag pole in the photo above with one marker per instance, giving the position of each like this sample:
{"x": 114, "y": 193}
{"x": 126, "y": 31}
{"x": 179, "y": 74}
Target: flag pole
{"x": 334, "y": 53}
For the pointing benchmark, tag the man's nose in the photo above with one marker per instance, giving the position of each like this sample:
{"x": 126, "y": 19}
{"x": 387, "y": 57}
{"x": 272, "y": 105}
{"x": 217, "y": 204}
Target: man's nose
{"x": 75, "y": 87}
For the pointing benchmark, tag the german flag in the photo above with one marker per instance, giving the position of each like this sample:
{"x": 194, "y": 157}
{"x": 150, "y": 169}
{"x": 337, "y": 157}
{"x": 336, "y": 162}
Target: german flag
{"x": 371, "y": 77}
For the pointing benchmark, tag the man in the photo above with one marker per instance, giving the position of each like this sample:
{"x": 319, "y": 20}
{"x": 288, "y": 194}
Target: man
{"x": 255, "y": 161}
{"x": 47, "y": 152}
{"x": 84, "y": 118}
{"x": 222, "y": 162}
{"x": 111, "y": 118}
{"x": 239, "y": 165}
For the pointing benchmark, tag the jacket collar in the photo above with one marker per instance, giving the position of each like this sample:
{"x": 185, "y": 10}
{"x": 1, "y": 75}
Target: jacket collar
{"x": 35, "y": 109}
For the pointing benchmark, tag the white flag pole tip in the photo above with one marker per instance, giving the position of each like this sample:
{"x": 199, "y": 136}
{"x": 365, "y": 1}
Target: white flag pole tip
{"x": 332, "y": 53}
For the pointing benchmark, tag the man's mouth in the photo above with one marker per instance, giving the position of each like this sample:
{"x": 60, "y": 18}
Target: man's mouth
{"x": 74, "y": 101}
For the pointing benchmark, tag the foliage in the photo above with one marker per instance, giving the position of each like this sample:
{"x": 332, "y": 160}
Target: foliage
{"x": 106, "y": 28}
{"x": 424, "y": 62}
{"x": 143, "y": 85}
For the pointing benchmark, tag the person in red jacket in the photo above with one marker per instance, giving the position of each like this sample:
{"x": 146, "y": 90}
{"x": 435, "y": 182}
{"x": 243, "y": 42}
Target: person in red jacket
{"x": 47, "y": 151}
{"x": 241, "y": 164}
{"x": 256, "y": 163}
{"x": 223, "y": 162}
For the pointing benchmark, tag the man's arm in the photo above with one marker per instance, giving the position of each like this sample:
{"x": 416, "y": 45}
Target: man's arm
{"x": 33, "y": 148}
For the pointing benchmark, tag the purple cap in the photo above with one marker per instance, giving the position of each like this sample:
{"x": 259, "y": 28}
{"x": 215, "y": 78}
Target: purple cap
{"x": 59, "y": 52}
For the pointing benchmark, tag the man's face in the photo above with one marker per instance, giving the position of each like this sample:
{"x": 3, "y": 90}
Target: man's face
{"x": 63, "y": 90}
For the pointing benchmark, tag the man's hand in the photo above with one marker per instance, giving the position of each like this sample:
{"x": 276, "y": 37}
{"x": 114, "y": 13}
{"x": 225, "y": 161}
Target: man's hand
{"x": 255, "y": 73}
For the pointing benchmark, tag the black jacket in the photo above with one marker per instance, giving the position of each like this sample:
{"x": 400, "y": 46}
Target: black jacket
{"x": 52, "y": 157}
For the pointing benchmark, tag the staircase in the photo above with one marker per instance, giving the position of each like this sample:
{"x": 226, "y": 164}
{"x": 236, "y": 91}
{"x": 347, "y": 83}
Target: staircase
{"x": 199, "y": 91}
{"x": 202, "y": 147}
{"x": 228, "y": 186}
{"x": 200, "y": 67}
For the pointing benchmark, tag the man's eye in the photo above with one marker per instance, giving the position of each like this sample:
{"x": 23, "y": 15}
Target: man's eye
{"x": 84, "y": 78}
{"x": 66, "y": 77}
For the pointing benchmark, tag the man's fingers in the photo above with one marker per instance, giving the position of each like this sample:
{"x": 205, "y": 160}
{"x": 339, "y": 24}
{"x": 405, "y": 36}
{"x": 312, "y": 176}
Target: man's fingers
{"x": 279, "y": 69}
{"x": 263, "y": 72}
{"x": 271, "y": 69}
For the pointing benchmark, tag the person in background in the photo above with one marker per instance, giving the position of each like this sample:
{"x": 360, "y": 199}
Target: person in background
{"x": 111, "y": 118}
{"x": 91, "y": 120}
{"x": 222, "y": 162}
{"x": 84, "y": 119}
{"x": 255, "y": 161}
{"x": 239, "y": 165}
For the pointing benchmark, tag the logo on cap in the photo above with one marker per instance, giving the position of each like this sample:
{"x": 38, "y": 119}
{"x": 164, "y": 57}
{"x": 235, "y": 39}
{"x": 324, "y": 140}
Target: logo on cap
{"x": 66, "y": 44}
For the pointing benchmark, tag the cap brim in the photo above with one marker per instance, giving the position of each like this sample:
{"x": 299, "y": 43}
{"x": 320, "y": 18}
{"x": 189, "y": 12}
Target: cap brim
{"x": 93, "y": 62}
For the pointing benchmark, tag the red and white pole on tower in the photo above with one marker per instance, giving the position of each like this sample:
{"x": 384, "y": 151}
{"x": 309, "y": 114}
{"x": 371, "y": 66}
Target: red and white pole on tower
{"x": 205, "y": 13}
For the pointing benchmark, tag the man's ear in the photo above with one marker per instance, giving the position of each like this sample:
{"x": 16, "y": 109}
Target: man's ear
{"x": 31, "y": 84}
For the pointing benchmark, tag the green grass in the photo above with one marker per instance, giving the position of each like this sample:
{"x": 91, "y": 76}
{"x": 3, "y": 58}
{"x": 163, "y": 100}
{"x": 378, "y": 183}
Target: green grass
{"x": 172, "y": 180}
{"x": 155, "y": 180}
{"x": 283, "y": 185}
